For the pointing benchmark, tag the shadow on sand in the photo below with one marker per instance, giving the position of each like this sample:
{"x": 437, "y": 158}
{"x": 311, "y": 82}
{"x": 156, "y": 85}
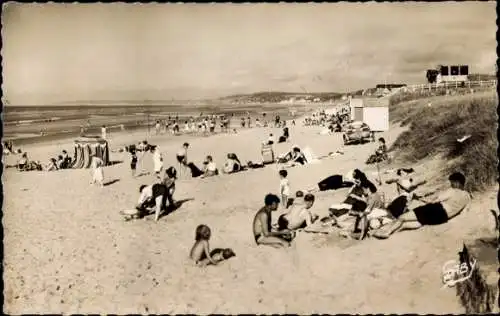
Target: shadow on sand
{"x": 175, "y": 206}
{"x": 110, "y": 182}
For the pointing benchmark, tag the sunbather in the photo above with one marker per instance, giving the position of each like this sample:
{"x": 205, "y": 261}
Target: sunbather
{"x": 300, "y": 216}
{"x": 405, "y": 185}
{"x": 448, "y": 205}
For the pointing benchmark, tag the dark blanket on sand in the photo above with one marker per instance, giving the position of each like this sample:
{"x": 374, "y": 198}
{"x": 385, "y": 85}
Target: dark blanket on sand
{"x": 333, "y": 183}
{"x": 195, "y": 171}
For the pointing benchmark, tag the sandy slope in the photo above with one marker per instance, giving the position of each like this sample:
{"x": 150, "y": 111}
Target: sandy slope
{"x": 67, "y": 249}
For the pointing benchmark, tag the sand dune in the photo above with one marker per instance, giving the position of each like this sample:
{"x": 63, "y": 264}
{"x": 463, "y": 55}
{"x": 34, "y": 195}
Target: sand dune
{"x": 67, "y": 250}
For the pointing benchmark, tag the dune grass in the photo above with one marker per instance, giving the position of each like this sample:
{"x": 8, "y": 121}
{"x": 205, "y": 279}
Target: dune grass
{"x": 435, "y": 129}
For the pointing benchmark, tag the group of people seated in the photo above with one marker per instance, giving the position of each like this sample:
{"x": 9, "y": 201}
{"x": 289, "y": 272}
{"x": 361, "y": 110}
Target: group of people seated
{"x": 8, "y": 148}
{"x": 63, "y": 161}
{"x": 363, "y": 211}
{"x": 295, "y": 155}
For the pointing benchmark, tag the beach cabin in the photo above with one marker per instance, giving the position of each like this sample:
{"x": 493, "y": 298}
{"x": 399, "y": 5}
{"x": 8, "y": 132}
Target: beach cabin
{"x": 373, "y": 111}
{"x": 356, "y": 106}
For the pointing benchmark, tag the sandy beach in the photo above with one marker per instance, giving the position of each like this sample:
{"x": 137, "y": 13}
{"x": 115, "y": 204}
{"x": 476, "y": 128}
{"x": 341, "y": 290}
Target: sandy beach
{"x": 67, "y": 249}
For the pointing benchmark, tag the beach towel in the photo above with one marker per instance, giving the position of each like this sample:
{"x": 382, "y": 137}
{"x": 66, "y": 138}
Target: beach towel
{"x": 325, "y": 131}
{"x": 310, "y": 156}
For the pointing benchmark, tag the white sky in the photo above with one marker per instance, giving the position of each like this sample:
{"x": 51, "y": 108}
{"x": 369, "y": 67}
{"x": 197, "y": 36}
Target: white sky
{"x": 120, "y": 51}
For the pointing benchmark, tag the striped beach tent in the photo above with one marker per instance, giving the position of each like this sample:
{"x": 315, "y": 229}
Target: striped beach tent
{"x": 87, "y": 146}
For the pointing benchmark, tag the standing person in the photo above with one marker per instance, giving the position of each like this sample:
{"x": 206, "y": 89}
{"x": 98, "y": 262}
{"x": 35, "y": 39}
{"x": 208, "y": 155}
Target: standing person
{"x": 249, "y": 121}
{"x": 262, "y": 228}
{"x": 182, "y": 157}
{"x": 103, "y": 132}
{"x": 97, "y": 171}
{"x": 133, "y": 162}
{"x": 157, "y": 160}
{"x": 157, "y": 127}
{"x": 284, "y": 187}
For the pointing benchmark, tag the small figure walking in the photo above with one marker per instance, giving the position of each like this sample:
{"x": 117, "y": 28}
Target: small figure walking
{"x": 133, "y": 162}
{"x": 97, "y": 171}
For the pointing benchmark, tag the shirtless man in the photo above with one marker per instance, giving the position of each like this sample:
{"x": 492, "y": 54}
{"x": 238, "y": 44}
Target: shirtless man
{"x": 262, "y": 225}
{"x": 448, "y": 205}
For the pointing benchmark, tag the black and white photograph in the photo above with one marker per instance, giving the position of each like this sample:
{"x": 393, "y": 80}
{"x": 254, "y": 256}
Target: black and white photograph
{"x": 252, "y": 158}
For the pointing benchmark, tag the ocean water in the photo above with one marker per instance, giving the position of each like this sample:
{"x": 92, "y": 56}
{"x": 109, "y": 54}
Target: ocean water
{"x": 34, "y": 123}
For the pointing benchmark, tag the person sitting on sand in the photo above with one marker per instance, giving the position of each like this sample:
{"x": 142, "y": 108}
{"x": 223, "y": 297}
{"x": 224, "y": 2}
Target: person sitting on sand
{"x": 380, "y": 154}
{"x": 60, "y": 162}
{"x": 22, "y": 163}
{"x": 298, "y": 156}
{"x": 154, "y": 195}
{"x": 371, "y": 205}
{"x": 210, "y": 168}
{"x": 232, "y": 164}
{"x": 300, "y": 215}
{"x": 66, "y": 160}
{"x": 52, "y": 165}
{"x": 354, "y": 200}
{"x": 448, "y": 205}
{"x": 262, "y": 228}
{"x": 200, "y": 252}
{"x": 7, "y": 148}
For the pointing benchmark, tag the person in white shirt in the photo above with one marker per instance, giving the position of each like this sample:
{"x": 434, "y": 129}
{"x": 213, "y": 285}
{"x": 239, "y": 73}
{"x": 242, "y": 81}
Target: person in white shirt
{"x": 210, "y": 167}
{"x": 300, "y": 215}
{"x": 448, "y": 205}
{"x": 284, "y": 187}
{"x": 157, "y": 160}
{"x": 97, "y": 171}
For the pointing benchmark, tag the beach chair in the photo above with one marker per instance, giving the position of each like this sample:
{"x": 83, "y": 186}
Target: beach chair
{"x": 267, "y": 154}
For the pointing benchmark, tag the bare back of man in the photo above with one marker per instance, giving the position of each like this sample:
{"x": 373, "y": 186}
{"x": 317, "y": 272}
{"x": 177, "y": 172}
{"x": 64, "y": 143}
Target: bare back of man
{"x": 262, "y": 231}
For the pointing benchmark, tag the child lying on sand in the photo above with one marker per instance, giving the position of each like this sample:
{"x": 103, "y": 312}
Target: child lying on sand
{"x": 201, "y": 254}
